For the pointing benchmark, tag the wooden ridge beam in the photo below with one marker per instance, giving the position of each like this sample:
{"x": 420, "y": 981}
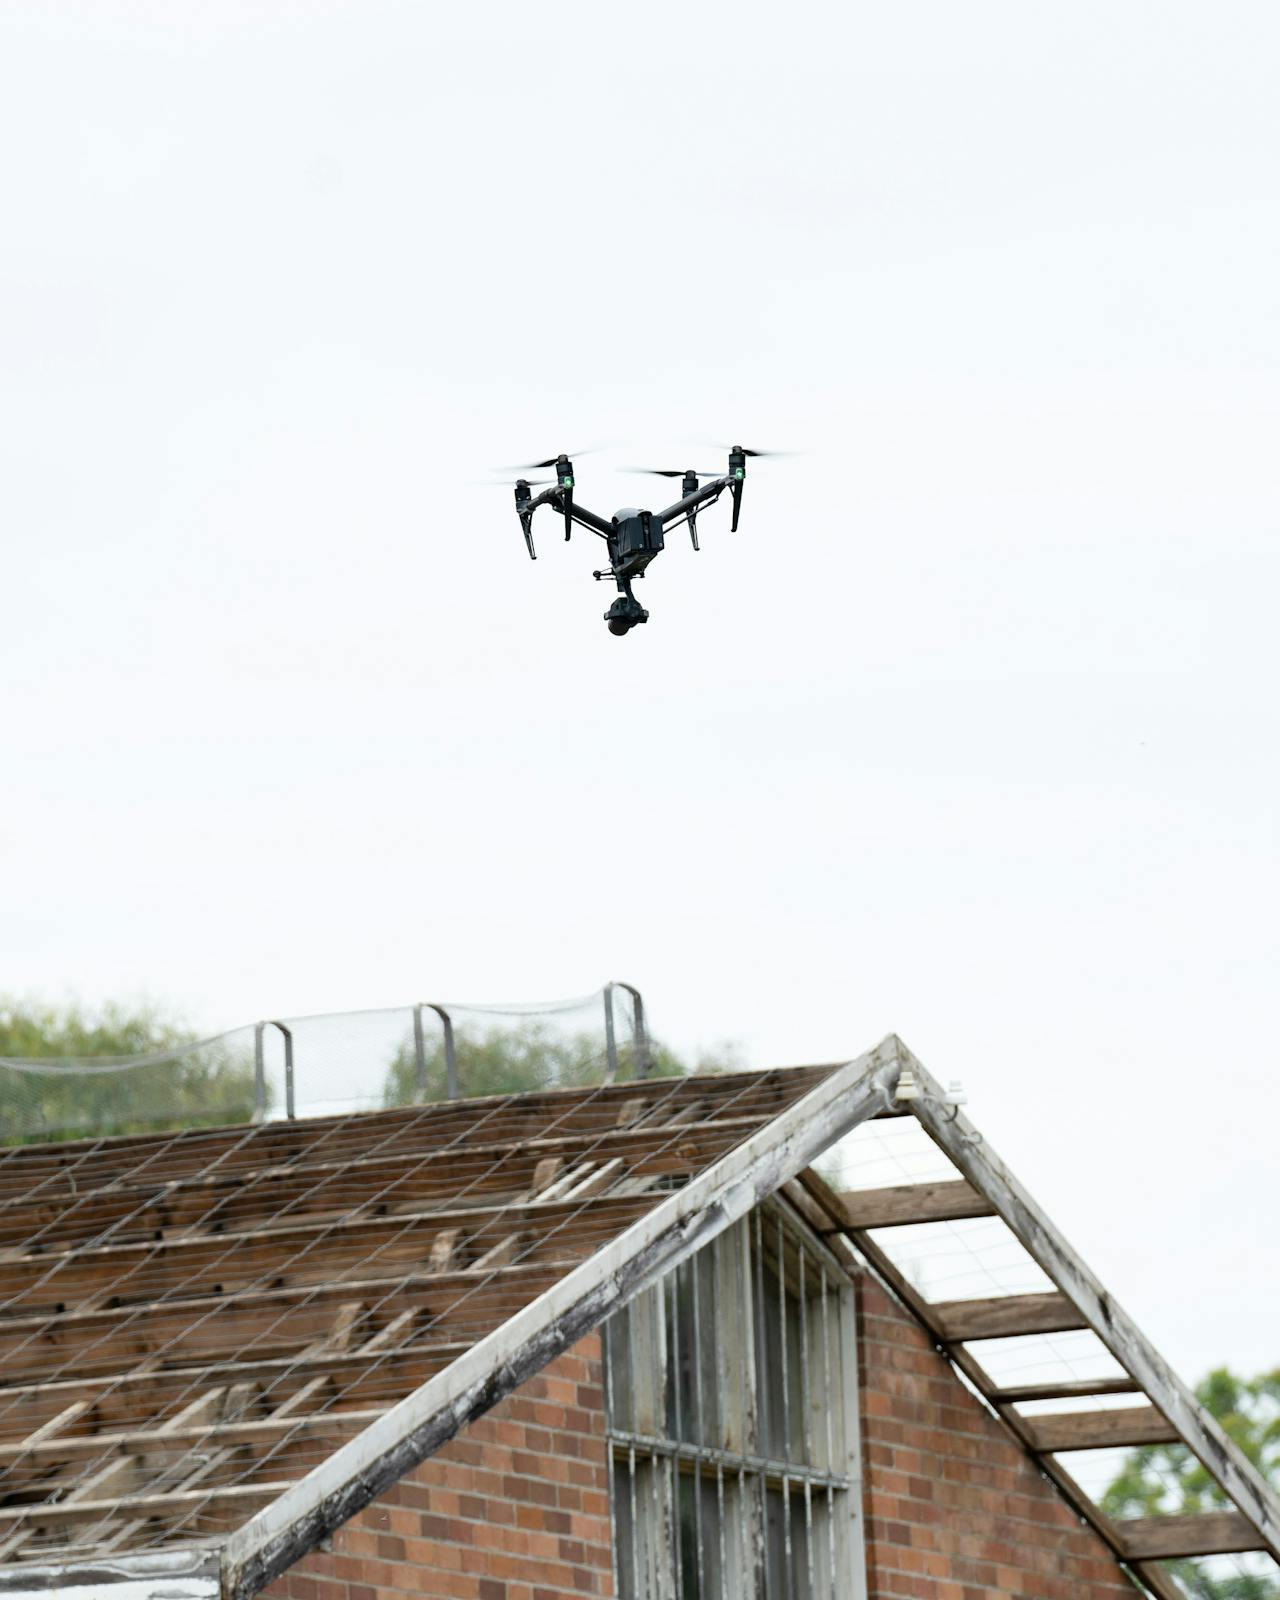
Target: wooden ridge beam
{"x": 1099, "y": 1430}
{"x": 1005, "y": 1316}
{"x": 1210, "y": 1533}
{"x": 906, "y": 1203}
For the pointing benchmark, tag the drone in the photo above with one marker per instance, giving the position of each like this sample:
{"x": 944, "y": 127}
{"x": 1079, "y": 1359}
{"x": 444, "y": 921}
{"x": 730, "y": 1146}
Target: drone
{"x": 633, "y": 537}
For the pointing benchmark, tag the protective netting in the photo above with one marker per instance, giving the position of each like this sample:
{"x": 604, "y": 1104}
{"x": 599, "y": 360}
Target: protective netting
{"x": 207, "y": 1083}
{"x": 334, "y": 1063}
{"x": 195, "y": 1319}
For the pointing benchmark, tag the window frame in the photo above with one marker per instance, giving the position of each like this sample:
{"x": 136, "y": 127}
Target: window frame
{"x": 653, "y": 1462}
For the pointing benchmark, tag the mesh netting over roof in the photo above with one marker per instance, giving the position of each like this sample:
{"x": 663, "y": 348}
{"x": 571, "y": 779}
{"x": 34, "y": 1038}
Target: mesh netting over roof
{"x": 190, "y": 1322}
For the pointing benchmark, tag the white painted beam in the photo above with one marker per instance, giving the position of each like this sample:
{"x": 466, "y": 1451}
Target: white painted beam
{"x": 156, "y": 1575}
{"x": 282, "y": 1532}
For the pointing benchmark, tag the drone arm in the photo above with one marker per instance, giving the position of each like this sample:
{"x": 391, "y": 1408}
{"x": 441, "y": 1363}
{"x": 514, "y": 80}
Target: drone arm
{"x": 700, "y": 497}
{"x": 588, "y": 519}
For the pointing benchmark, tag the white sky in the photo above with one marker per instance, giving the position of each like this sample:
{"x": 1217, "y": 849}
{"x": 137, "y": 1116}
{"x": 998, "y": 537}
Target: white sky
{"x": 969, "y": 732}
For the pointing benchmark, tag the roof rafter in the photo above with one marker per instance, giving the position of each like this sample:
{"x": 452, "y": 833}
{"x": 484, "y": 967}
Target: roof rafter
{"x": 273, "y": 1539}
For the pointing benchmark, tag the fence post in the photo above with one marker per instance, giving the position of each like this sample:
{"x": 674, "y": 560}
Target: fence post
{"x": 641, "y": 1063}
{"x": 450, "y": 1050}
{"x": 259, "y": 1075}
{"x": 260, "y": 1070}
{"x": 610, "y": 1038}
{"x": 419, "y": 1056}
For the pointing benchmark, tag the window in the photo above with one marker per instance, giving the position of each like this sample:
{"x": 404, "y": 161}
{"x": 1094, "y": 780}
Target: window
{"x": 730, "y": 1390}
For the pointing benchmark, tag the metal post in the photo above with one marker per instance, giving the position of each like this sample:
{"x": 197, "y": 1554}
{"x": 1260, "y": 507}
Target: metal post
{"x": 419, "y": 1056}
{"x": 641, "y": 1065}
{"x": 290, "y": 1110}
{"x": 259, "y": 1069}
{"x": 450, "y": 1051}
{"x": 610, "y": 1038}
{"x": 259, "y": 1075}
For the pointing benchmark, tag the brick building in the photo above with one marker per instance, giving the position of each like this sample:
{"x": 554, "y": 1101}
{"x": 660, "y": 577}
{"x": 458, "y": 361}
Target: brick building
{"x": 639, "y": 1340}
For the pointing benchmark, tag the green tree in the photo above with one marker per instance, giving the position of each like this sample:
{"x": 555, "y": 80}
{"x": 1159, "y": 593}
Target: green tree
{"x": 1166, "y": 1479}
{"x": 529, "y": 1056}
{"x": 66, "y": 1073}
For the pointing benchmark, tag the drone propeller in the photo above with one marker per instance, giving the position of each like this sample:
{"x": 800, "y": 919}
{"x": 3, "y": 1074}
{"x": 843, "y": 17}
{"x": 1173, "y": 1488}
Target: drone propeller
{"x": 673, "y": 472}
{"x": 747, "y": 452}
{"x": 537, "y": 466}
{"x": 506, "y": 483}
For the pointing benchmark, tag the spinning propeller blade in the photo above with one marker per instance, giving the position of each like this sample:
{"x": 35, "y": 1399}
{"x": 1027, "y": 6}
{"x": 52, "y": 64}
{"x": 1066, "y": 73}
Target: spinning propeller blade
{"x": 537, "y": 466}
{"x": 744, "y": 451}
{"x": 673, "y": 472}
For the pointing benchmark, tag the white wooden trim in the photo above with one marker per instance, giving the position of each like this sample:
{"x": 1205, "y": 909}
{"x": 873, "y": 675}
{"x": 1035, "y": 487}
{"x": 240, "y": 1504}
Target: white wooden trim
{"x": 153, "y": 1575}
{"x": 360, "y": 1470}
{"x": 979, "y": 1163}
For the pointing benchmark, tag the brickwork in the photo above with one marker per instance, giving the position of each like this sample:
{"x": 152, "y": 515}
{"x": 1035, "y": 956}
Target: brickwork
{"x": 515, "y": 1508}
{"x": 955, "y": 1510}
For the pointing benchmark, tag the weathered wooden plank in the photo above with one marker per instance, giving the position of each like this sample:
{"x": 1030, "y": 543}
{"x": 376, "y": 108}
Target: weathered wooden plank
{"x": 527, "y": 1118}
{"x": 117, "y": 1401}
{"x": 80, "y": 1447}
{"x": 906, "y": 1203}
{"x": 974, "y": 1157}
{"x": 481, "y": 1173}
{"x": 1157, "y": 1581}
{"x": 310, "y": 1251}
{"x": 59, "y": 1511}
{"x": 1005, "y": 1316}
{"x": 682, "y": 1223}
{"x": 1211, "y": 1533}
{"x": 260, "y": 1322}
{"x": 175, "y": 1574}
{"x": 1099, "y": 1430}
{"x": 1071, "y": 1389}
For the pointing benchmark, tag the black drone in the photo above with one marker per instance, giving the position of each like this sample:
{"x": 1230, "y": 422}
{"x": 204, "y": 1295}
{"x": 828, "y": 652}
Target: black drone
{"x": 633, "y": 537}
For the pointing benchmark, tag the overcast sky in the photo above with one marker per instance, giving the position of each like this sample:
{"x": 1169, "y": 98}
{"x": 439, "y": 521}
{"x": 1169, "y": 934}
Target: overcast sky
{"x": 969, "y": 732}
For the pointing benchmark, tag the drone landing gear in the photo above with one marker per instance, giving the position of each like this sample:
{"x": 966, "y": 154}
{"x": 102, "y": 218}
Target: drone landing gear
{"x": 625, "y": 613}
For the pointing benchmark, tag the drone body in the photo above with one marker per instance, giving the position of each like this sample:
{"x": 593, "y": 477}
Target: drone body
{"x": 633, "y": 537}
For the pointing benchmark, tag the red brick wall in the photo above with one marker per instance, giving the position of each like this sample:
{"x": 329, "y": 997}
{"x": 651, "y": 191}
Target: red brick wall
{"x": 515, "y": 1508}
{"x": 955, "y": 1509}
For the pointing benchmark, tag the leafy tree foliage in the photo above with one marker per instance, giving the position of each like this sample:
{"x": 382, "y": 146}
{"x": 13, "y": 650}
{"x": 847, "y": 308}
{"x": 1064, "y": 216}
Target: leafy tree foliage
{"x": 530, "y": 1056}
{"x": 1165, "y": 1479}
{"x": 181, "y": 1088}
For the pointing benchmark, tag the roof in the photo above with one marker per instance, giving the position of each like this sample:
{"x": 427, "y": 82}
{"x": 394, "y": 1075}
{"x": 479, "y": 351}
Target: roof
{"x": 218, "y": 1345}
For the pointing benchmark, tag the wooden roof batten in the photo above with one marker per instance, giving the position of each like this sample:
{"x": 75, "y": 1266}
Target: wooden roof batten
{"x": 458, "y": 1375}
{"x": 688, "y": 1219}
{"x": 151, "y": 1365}
{"x": 1172, "y": 1413}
